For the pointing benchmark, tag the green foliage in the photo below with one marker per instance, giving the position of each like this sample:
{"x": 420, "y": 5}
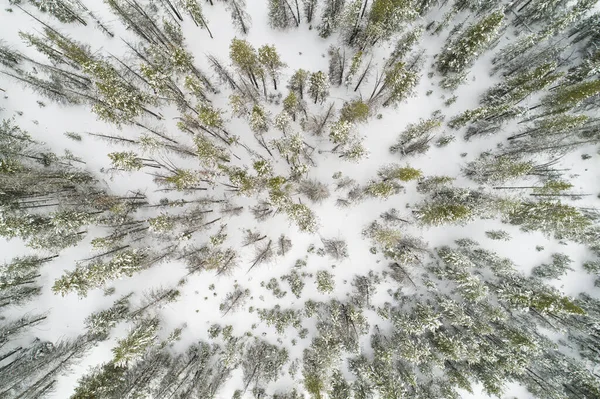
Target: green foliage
{"x": 269, "y": 59}
{"x": 463, "y": 50}
{"x": 568, "y": 97}
{"x": 325, "y": 282}
{"x": 402, "y": 173}
{"x": 137, "y": 342}
{"x": 552, "y": 218}
{"x": 244, "y": 56}
{"x": 400, "y": 83}
{"x": 303, "y": 216}
{"x": 318, "y": 88}
{"x": 127, "y": 160}
{"x": 355, "y": 111}
{"x": 556, "y": 269}
{"x": 98, "y": 272}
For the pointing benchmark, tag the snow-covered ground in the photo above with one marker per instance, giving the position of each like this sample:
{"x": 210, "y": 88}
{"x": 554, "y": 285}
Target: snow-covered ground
{"x": 198, "y": 305}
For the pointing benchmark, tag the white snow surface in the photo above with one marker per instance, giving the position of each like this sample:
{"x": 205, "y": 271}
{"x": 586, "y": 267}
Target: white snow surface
{"x": 198, "y": 307}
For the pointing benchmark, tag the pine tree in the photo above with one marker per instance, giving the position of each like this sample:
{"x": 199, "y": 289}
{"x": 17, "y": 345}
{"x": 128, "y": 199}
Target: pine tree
{"x": 19, "y": 279}
{"x": 244, "y": 57}
{"x": 457, "y": 205}
{"x": 262, "y": 363}
{"x": 65, "y": 11}
{"x": 499, "y": 169}
{"x": 124, "y": 262}
{"x": 569, "y": 97}
{"x": 556, "y": 269}
{"x": 552, "y": 218}
{"x": 397, "y": 84}
{"x": 330, "y": 17}
{"x": 99, "y": 324}
{"x": 138, "y": 341}
{"x": 239, "y": 15}
{"x": 337, "y": 64}
{"x": 318, "y": 88}
{"x": 272, "y": 64}
{"x": 298, "y": 82}
{"x": 284, "y": 13}
{"x": 354, "y": 112}
{"x": 517, "y": 88}
{"x": 416, "y": 137}
{"x": 385, "y": 18}
{"x": 194, "y": 8}
{"x": 34, "y": 372}
{"x": 465, "y": 48}
{"x": 309, "y": 7}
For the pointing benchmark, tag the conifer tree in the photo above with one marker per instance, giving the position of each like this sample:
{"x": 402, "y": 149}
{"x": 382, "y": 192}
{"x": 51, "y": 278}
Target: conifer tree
{"x": 552, "y": 218}
{"x": 124, "y": 262}
{"x": 19, "y": 279}
{"x": 298, "y": 82}
{"x": 239, "y": 15}
{"x": 309, "y": 7}
{"x": 416, "y": 137}
{"x": 245, "y": 59}
{"x": 330, "y": 17}
{"x": 34, "y": 371}
{"x": 272, "y": 64}
{"x": 464, "y": 49}
{"x": 138, "y": 341}
{"x": 262, "y": 363}
{"x": 569, "y": 97}
{"x": 284, "y": 13}
{"x": 318, "y": 88}
{"x": 194, "y": 9}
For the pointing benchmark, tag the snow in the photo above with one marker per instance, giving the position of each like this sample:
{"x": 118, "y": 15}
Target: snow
{"x": 198, "y": 306}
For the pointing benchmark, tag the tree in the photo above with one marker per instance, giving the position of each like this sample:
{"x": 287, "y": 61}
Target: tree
{"x": 12, "y": 329}
{"x": 99, "y": 324}
{"x": 138, "y": 341}
{"x": 262, "y": 363}
{"x": 234, "y": 300}
{"x": 402, "y": 173}
{"x": 385, "y": 18}
{"x": 19, "y": 279}
{"x": 303, "y": 216}
{"x": 457, "y": 205}
{"x": 568, "y": 97}
{"x": 298, "y": 82}
{"x": 354, "y": 112}
{"x": 33, "y": 372}
{"x": 552, "y": 218}
{"x": 198, "y": 372}
{"x": 416, "y": 137}
{"x": 330, "y": 17}
{"x": 499, "y": 169}
{"x": 325, "y": 282}
{"x": 335, "y": 247}
{"x": 272, "y": 64}
{"x": 284, "y": 13}
{"x": 64, "y": 11}
{"x": 318, "y": 88}
{"x": 397, "y": 84}
{"x": 125, "y": 262}
{"x": 462, "y": 51}
{"x": 314, "y": 190}
{"x": 309, "y": 9}
{"x": 195, "y": 10}
{"x": 244, "y": 57}
{"x": 239, "y": 15}
{"x": 556, "y": 269}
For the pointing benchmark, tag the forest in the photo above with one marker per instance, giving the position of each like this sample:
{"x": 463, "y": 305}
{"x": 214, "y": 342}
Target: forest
{"x": 299, "y": 199}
